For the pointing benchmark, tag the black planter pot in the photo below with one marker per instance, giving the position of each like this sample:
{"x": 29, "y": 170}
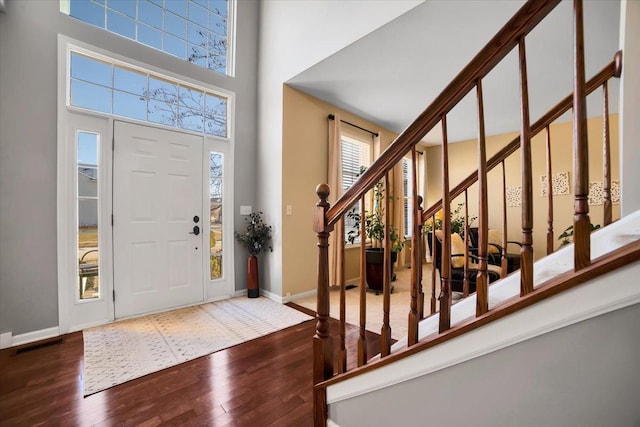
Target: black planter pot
{"x": 375, "y": 269}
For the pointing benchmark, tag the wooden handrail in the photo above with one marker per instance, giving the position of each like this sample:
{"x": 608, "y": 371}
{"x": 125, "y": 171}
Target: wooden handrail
{"x": 610, "y": 70}
{"x": 607, "y": 263}
{"x": 498, "y": 47}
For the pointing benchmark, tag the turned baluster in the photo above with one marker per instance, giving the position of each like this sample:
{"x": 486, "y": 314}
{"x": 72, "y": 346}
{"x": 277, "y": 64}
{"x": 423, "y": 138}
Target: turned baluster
{"x": 434, "y": 242}
{"x": 322, "y": 341}
{"x": 362, "y": 340}
{"x": 419, "y": 257}
{"x": 505, "y": 263}
{"x": 550, "y": 241}
{"x": 465, "y": 281}
{"x": 385, "y": 333}
{"x": 445, "y": 269}
{"x": 482, "y": 300}
{"x": 412, "y": 334}
{"x": 606, "y": 156}
{"x": 526, "y": 253}
{"x": 581, "y": 221}
{"x": 342, "y": 352}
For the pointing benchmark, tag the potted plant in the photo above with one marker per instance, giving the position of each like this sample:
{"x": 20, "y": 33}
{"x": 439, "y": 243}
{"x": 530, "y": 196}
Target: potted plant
{"x": 375, "y": 229}
{"x": 256, "y": 239}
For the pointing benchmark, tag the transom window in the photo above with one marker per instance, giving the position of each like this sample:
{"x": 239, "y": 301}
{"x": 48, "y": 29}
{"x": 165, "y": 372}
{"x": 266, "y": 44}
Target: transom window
{"x": 197, "y": 31}
{"x": 114, "y": 88}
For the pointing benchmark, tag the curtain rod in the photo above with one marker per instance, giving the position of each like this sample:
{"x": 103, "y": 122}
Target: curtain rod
{"x": 332, "y": 117}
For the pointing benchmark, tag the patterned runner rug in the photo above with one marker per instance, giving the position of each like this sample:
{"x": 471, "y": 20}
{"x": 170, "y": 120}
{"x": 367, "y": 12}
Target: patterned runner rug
{"x": 129, "y": 349}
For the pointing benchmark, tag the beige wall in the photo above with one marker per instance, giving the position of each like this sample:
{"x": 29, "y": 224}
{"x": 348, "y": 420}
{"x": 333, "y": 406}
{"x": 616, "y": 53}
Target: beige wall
{"x": 463, "y": 161}
{"x": 304, "y": 161}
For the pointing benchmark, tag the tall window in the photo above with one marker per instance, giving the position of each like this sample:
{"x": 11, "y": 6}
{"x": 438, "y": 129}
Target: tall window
{"x": 87, "y": 198}
{"x": 197, "y": 31}
{"x": 356, "y": 154}
{"x": 110, "y": 87}
{"x": 407, "y": 197}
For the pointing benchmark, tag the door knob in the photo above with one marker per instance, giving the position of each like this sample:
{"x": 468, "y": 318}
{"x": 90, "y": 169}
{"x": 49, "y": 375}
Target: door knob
{"x": 196, "y": 230}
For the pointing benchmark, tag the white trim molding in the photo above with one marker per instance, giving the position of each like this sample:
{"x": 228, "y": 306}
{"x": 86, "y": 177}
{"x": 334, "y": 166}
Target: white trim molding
{"x": 8, "y": 340}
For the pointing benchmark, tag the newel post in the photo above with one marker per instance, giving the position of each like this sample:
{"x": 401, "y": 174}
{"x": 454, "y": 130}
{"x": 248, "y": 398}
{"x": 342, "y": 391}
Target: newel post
{"x": 322, "y": 343}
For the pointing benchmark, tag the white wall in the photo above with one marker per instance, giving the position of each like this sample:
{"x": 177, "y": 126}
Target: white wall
{"x": 630, "y": 105}
{"x": 28, "y": 141}
{"x": 294, "y": 35}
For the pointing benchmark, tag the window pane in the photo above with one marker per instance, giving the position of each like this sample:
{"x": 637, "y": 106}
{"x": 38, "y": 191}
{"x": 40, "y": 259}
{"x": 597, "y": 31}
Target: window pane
{"x": 190, "y": 119}
{"x": 127, "y": 7}
{"x": 87, "y": 182}
{"x": 163, "y": 90}
{"x": 121, "y": 24}
{"x": 179, "y": 7}
{"x": 128, "y": 105}
{"x": 149, "y": 13}
{"x": 197, "y": 55}
{"x": 174, "y": 46}
{"x": 197, "y": 35}
{"x": 216, "y": 126}
{"x": 129, "y": 81}
{"x": 198, "y": 14}
{"x": 218, "y": 24}
{"x": 215, "y": 105}
{"x": 215, "y": 208}
{"x": 87, "y": 149}
{"x": 160, "y": 112}
{"x": 91, "y": 70}
{"x": 88, "y": 12}
{"x": 150, "y": 36}
{"x": 175, "y": 25}
{"x": 88, "y": 259}
{"x": 219, "y": 7}
{"x": 92, "y": 97}
{"x": 192, "y": 98}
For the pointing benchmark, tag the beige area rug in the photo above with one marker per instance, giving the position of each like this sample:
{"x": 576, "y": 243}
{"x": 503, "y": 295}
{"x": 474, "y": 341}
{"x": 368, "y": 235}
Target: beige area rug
{"x": 400, "y": 303}
{"x": 129, "y": 349}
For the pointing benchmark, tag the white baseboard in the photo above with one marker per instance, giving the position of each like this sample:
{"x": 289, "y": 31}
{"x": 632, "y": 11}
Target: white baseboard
{"x": 5, "y": 340}
{"x": 272, "y": 296}
{"x": 29, "y": 337}
{"x": 301, "y": 295}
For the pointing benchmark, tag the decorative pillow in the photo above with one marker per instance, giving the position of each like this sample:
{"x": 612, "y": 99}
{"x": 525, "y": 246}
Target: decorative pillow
{"x": 494, "y": 237}
{"x": 457, "y": 247}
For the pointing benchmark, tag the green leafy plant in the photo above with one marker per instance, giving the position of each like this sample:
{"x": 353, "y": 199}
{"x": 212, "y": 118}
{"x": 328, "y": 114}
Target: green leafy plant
{"x": 374, "y": 221}
{"x": 457, "y": 221}
{"x": 258, "y": 235}
{"x": 567, "y": 235}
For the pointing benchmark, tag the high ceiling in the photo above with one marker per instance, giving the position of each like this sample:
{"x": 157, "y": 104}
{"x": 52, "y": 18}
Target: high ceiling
{"x": 394, "y": 73}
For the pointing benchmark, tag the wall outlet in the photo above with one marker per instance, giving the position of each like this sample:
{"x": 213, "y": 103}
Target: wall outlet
{"x": 289, "y": 210}
{"x": 245, "y": 210}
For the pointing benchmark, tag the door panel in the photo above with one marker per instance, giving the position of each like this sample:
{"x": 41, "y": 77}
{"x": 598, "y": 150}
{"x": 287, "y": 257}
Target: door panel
{"x": 157, "y": 193}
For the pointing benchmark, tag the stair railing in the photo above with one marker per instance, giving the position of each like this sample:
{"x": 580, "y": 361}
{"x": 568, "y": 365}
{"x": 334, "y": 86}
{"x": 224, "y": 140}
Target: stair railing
{"x": 326, "y": 217}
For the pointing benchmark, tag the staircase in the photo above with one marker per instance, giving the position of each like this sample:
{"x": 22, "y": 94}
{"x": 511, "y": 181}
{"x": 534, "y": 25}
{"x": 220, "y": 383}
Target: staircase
{"x": 439, "y": 328}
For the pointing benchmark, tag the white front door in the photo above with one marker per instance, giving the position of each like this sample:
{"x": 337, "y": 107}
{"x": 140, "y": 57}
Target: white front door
{"x": 157, "y": 203}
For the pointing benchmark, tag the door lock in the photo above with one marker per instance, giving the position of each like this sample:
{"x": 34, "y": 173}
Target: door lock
{"x": 196, "y": 230}
{"x": 196, "y": 219}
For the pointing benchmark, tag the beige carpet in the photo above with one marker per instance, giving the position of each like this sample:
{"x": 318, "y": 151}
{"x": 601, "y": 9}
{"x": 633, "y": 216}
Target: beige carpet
{"x": 129, "y": 349}
{"x": 400, "y": 303}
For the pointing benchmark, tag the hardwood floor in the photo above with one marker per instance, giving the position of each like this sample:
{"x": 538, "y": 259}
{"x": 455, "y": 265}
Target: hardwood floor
{"x": 264, "y": 382}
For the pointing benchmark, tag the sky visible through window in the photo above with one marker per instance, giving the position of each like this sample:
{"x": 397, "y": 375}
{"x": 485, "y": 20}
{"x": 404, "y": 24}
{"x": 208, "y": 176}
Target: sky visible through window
{"x": 115, "y": 89}
{"x": 194, "y": 30}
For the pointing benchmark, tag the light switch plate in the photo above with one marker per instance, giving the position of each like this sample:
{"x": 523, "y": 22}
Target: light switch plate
{"x": 245, "y": 210}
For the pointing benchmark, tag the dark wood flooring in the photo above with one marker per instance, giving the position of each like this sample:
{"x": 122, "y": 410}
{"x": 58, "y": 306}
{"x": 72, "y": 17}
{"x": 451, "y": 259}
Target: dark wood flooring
{"x": 264, "y": 382}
